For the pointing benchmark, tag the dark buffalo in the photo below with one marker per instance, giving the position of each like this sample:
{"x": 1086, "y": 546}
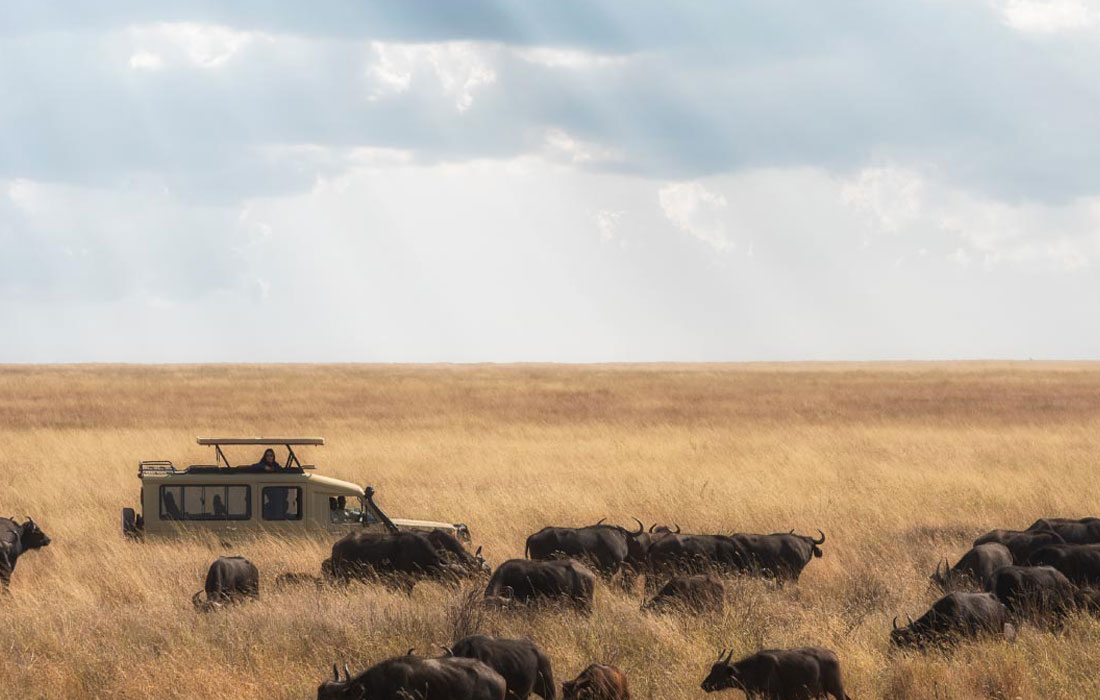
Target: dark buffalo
{"x": 953, "y": 617}
{"x": 974, "y": 568}
{"x": 229, "y": 580}
{"x": 696, "y": 592}
{"x": 411, "y": 677}
{"x": 781, "y": 556}
{"x": 1079, "y": 531}
{"x": 607, "y": 548}
{"x": 525, "y": 668}
{"x": 523, "y": 581}
{"x": 780, "y": 674}
{"x": 400, "y": 557}
{"x": 597, "y": 682}
{"x": 1020, "y": 543}
{"x": 1033, "y": 591}
{"x": 451, "y": 548}
{"x": 675, "y": 553}
{"x": 1079, "y": 562}
{"x": 16, "y": 539}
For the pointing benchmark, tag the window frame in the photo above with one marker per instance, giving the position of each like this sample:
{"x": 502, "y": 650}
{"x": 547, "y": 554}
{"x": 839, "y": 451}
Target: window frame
{"x": 203, "y": 517}
{"x": 301, "y": 504}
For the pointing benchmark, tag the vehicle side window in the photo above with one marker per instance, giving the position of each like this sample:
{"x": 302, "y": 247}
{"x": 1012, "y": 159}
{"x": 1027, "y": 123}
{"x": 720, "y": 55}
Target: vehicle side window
{"x": 205, "y": 503}
{"x": 282, "y": 503}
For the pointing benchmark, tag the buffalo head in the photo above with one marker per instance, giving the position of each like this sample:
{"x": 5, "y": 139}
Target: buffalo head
{"x": 723, "y": 674}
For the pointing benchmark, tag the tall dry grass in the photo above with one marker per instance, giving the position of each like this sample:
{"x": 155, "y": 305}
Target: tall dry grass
{"x": 899, "y": 464}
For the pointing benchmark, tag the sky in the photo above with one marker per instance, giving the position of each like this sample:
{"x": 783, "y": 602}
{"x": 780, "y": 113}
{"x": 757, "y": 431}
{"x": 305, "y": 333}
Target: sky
{"x": 559, "y": 180}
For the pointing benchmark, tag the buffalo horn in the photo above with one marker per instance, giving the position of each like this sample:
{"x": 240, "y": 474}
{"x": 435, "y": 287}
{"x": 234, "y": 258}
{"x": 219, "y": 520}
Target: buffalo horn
{"x": 410, "y": 651}
{"x": 822, "y": 540}
{"x": 195, "y": 599}
{"x": 347, "y": 673}
{"x": 909, "y": 619}
{"x": 729, "y": 656}
{"x": 641, "y": 527}
{"x": 895, "y": 621}
{"x": 678, "y": 532}
{"x": 447, "y": 650}
{"x": 651, "y": 527}
{"x": 600, "y": 521}
{"x": 336, "y": 672}
{"x": 478, "y": 552}
{"x": 721, "y": 653}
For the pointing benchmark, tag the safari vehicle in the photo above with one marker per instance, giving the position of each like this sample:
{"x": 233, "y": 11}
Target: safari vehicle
{"x": 282, "y": 499}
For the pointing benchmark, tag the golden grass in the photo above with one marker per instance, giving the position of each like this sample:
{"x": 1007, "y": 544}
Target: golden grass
{"x": 900, "y": 465}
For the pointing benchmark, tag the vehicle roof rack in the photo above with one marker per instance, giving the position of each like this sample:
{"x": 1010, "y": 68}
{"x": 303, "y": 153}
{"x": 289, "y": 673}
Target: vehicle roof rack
{"x": 260, "y": 440}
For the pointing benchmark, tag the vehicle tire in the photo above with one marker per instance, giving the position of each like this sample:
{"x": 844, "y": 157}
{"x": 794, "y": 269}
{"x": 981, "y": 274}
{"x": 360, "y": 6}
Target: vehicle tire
{"x": 129, "y": 523}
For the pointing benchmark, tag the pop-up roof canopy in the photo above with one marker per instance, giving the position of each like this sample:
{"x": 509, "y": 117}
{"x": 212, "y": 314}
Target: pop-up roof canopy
{"x": 287, "y": 442}
{"x": 260, "y": 440}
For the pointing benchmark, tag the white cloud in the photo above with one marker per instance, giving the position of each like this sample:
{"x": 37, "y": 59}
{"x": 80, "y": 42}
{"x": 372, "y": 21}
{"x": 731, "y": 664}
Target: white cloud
{"x": 561, "y": 145}
{"x": 460, "y": 68}
{"x": 607, "y": 223}
{"x": 146, "y": 60}
{"x": 572, "y": 59}
{"x": 202, "y": 45}
{"x": 889, "y": 196}
{"x": 1049, "y": 16}
{"x": 696, "y": 211}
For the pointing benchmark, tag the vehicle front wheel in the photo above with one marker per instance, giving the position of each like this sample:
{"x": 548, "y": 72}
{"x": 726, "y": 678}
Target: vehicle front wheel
{"x": 130, "y": 523}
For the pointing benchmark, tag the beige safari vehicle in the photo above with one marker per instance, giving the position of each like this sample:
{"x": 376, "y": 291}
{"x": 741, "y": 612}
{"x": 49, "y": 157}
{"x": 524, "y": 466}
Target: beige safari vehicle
{"x": 282, "y": 499}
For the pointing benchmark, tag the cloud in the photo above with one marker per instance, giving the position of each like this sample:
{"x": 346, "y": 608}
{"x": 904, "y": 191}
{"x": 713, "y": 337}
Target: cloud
{"x": 1049, "y": 16}
{"x": 146, "y": 60}
{"x": 696, "y": 211}
{"x": 460, "y": 68}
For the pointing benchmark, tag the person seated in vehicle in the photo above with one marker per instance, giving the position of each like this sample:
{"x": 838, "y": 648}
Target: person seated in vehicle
{"x": 267, "y": 463}
{"x": 219, "y": 507}
{"x": 340, "y": 512}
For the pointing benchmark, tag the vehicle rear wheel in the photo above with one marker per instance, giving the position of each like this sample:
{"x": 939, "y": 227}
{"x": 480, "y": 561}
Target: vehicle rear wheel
{"x": 129, "y": 523}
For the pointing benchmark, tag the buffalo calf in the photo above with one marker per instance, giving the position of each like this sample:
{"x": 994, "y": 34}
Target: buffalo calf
{"x": 695, "y": 592}
{"x": 229, "y": 580}
{"x": 597, "y": 682}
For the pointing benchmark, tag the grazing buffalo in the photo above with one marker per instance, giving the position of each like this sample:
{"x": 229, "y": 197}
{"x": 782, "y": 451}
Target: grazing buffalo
{"x": 597, "y": 682}
{"x": 695, "y": 592}
{"x": 15, "y": 539}
{"x": 411, "y": 677}
{"x": 1079, "y": 562}
{"x": 1080, "y": 531}
{"x": 953, "y": 617}
{"x": 523, "y": 581}
{"x": 452, "y": 549}
{"x": 1033, "y": 591}
{"x": 780, "y": 674}
{"x": 525, "y": 668}
{"x": 781, "y": 556}
{"x": 607, "y": 548}
{"x": 1020, "y": 543}
{"x": 974, "y": 568}
{"x": 229, "y": 580}
{"x": 401, "y": 556}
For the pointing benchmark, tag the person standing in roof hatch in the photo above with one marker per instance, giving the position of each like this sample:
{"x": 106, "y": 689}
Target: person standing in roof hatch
{"x": 267, "y": 463}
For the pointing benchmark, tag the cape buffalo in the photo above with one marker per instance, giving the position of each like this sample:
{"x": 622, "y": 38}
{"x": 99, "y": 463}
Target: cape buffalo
{"x": 409, "y": 555}
{"x": 597, "y": 682}
{"x": 677, "y": 553}
{"x": 781, "y": 556}
{"x": 955, "y": 616}
{"x": 974, "y": 568}
{"x": 15, "y": 539}
{"x": 1079, "y": 562}
{"x": 229, "y": 580}
{"x": 780, "y": 674}
{"x": 445, "y": 678}
{"x": 451, "y": 548}
{"x": 525, "y": 668}
{"x": 695, "y": 592}
{"x": 1033, "y": 591}
{"x": 1021, "y": 544}
{"x": 608, "y": 548}
{"x": 523, "y": 581}
{"x": 1080, "y": 531}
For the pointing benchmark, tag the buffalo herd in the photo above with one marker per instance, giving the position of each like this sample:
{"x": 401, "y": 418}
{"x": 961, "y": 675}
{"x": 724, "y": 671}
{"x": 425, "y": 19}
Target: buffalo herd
{"x": 1008, "y": 577}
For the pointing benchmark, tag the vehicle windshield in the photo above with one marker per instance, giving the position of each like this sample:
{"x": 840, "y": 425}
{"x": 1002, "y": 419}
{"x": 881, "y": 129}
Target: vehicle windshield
{"x": 343, "y": 511}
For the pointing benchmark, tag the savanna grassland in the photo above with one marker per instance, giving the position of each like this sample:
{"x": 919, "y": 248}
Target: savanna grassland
{"x": 900, "y": 465}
